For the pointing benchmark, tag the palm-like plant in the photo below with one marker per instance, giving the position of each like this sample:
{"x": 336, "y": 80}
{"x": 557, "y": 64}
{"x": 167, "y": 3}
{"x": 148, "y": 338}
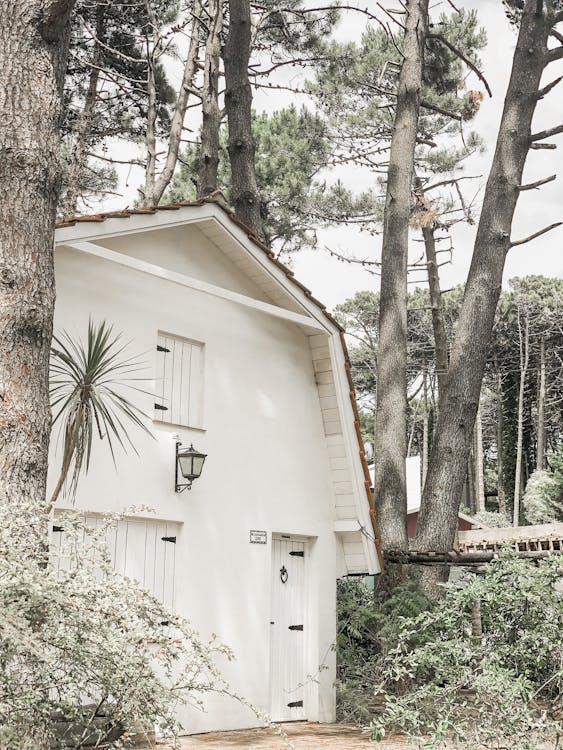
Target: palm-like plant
{"x": 85, "y": 379}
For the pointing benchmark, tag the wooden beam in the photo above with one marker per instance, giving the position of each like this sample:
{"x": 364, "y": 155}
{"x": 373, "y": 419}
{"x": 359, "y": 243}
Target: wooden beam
{"x": 104, "y": 253}
{"x": 460, "y": 558}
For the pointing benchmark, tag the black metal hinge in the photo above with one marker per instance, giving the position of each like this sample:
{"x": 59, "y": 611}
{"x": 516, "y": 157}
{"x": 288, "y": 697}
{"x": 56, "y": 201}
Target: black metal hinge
{"x": 295, "y": 704}
{"x": 297, "y": 553}
{"x": 295, "y": 627}
{"x": 58, "y": 528}
{"x": 160, "y": 348}
{"x": 160, "y": 407}
{"x": 169, "y": 539}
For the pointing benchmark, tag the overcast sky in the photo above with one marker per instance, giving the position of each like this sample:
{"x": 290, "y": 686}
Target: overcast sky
{"x": 333, "y": 281}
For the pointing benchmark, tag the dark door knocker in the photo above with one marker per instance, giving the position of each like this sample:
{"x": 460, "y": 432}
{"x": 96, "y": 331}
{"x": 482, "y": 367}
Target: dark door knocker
{"x": 283, "y": 574}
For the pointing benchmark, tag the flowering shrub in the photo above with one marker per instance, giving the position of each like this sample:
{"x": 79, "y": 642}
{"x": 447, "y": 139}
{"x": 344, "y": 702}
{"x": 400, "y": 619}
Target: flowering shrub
{"x": 84, "y": 653}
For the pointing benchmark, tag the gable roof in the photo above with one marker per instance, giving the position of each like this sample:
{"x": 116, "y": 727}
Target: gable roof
{"x": 217, "y": 199}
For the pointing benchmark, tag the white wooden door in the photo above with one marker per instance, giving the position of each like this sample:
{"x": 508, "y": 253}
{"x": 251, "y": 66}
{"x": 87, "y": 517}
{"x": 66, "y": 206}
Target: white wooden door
{"x": 288, "y": 629}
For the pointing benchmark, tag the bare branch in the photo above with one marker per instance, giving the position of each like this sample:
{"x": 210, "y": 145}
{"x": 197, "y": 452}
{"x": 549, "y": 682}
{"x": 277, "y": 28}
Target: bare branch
{"x": 538, "y": 146}
{"x": 440, "y": 111}
{"x": 546, "y": 133}
{"x": 546, "y": 89}
{"x": 538, "y": 183}
{"x": 466, "y": 60}
{"x": 554, "y": 33}
{"x": 536, "y": 234}
{"x": 554, "y": 54}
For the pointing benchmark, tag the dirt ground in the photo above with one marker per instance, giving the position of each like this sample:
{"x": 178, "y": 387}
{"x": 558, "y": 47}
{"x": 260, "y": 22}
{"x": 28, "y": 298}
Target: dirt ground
{"x": 295, "y": 736}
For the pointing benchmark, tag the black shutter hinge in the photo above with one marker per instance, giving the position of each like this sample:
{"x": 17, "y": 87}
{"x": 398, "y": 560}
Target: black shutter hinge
{"x": 295, "y": 704}
{"x": 169, "y": 539}
{"x": 295, "y": 627}
{"x": 160, "y": 407}
{"x": 160, "y": 348}
{"x": 58, "y": 528}
{"x": 297, "y": 553}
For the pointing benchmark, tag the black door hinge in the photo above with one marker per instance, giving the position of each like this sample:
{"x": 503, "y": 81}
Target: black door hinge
{"x": 160, "y": 348}
{"x": 169, "y": 539}
{"x": 295, "y": 704}
{"x": 160, "y": 407}
{"x": 297, "y": 553}
{"x": 295, "y": 627}
{"x": 58, "y": 528}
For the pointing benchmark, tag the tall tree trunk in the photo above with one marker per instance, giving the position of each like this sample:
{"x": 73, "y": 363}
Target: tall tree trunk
{"x": 524, "y": 341}
{"x": 33, "y": 53}
{"x": 436, "y": 306}
{"x": 540, "y": 446}
{"x": 478, "y": 464}
{"x": 156, "y": 185}
{"x": 238, "y": 103}
{"x": 440, "y": 504}
{"x": 471, "y": 485}
{"x": 438, "y": 324}
{"x": 425, "y": 426}
{"x": 391, "y": 408}
{"x": 211, "y": 114}
{"x": 84, "y": 128}
{"x": 500, "y": 445}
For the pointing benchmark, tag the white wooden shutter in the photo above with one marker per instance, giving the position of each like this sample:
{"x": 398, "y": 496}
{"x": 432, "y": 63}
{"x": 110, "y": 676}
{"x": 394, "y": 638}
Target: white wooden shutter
{"x": 179, "y": 381}
{"x": 140, "y": 549}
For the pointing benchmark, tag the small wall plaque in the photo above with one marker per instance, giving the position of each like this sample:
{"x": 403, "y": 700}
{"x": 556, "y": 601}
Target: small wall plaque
{"x": 258, "y": 537}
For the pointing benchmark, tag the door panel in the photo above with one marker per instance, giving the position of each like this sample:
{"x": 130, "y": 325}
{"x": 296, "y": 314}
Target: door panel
{"x": 287, "y": 627}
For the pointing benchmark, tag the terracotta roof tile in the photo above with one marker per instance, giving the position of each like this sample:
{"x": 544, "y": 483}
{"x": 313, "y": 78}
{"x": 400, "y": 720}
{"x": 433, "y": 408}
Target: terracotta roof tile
{"x": 218, "y": 199}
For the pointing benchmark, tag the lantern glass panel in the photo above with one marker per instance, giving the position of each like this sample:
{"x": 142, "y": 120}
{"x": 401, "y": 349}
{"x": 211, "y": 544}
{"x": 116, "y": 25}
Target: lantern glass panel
{"x": 197, "y": 465}
{"x": 186, "y": 466}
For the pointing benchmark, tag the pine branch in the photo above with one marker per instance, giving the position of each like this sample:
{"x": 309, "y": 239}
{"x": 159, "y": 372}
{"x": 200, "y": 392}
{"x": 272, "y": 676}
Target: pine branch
{"x": 466, "y": 60}
{"x": 538, "y": 183}
{"x": 546, "y": 133}
{"x": 546, "y": 89}
{"x": 536, "y": 234}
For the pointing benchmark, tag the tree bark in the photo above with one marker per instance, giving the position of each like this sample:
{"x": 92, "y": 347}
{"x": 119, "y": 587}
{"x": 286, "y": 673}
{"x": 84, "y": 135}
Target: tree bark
{"x": 478, "y": 464}
{"x": 500, "y": 445}
{"x": 436, "y": 306}
{"x": 524, "y": 340}
{"x": 391, "y": 407}
{"x": 83, "y": 131}
{"x": 33, "y": 52}
{"x": 238, "y": 104}
{"x": 440, "y": 504}
{"x": 540, "y": 446}
{"x": 425, "y": 426}
{"x": 211, "y": 114}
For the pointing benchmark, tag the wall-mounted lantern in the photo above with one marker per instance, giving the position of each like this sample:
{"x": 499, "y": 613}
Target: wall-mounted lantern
{"x": 189, "y": 464}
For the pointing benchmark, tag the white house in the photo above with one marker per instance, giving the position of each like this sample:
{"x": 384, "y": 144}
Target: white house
{"x": 245, "y": 364}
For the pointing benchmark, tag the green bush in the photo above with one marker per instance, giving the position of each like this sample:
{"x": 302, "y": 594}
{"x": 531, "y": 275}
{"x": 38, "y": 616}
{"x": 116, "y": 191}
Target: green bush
{"x": 498, "y": 689}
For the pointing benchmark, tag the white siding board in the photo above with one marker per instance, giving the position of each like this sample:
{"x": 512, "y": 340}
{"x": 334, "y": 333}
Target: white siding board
{"x": 324, "y": 378}
{"x": 346, "y": 512}
{"x": 322, "y": 365}
{"x": 333, "y": 428}
{"x": 343, "y": 488}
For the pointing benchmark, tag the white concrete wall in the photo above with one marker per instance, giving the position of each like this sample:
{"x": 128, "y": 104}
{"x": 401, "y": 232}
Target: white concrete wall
{"x": 267, "y": 465}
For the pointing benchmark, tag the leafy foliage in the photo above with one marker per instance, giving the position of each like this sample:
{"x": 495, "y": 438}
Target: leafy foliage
{"x": 291, "y": 148}
{"x": 86, "y": 383}
{"x": 368, "y": 627}
{"x": 501, "y": 689}
{"x": 86, "y": 654}
{"x": 543, "y": 498}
